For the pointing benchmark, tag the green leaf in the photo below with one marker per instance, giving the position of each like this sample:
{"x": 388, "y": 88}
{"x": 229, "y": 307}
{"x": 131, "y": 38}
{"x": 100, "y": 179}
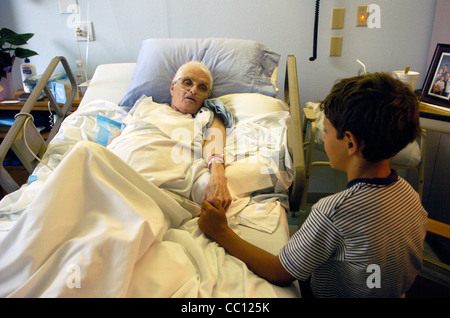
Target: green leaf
{"x": 11, "y": 37}
{"x": 9, "y": 48}
{"x": 23, "y": 53}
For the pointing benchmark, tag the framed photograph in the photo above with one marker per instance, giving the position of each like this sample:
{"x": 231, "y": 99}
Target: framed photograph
{"x": 436, "y": 87}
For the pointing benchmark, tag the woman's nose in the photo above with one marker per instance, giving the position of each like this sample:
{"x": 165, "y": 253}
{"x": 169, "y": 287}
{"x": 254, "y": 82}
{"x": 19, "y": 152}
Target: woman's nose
{"x": 194, "y": 89}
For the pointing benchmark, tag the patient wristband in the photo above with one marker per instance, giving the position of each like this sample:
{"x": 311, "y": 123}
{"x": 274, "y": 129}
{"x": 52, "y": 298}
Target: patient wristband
{"x": 215, "y": 157}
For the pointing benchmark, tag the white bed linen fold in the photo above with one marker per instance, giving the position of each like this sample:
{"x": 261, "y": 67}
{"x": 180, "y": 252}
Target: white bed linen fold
{"x": 103, "y": 230}
{"x": 256, "y": 152}
{"x": 163, "y": 145}
{"x": 86, "y": 212}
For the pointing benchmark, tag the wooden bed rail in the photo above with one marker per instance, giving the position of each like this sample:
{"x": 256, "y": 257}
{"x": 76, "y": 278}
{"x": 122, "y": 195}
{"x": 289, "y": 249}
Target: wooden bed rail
{"x": 23, "y": 134}
{"x": 295, "y": 134}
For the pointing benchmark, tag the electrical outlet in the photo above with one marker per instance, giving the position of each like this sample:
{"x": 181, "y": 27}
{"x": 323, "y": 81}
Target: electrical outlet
{"x": 361, "y": 16}
{"x": 335, "y": 45}
{"x": 83, "y": 29}
{"x": 337, "y": 18}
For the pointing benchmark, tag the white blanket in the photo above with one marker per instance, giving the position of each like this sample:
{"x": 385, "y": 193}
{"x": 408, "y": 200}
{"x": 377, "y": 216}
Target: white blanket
{"x": 89, "y": 225}
{"x": 256, "y": 152}
{"x": 103, "y": 230}
{"x": 164, "y": 145}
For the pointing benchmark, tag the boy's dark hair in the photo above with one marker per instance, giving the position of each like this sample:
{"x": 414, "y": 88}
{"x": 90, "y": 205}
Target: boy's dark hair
{"x": 381, "y": 111}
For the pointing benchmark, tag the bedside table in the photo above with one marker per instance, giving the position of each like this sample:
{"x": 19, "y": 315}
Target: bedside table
{"x": 13, "y": 106}
{"x": 8, "y": 108}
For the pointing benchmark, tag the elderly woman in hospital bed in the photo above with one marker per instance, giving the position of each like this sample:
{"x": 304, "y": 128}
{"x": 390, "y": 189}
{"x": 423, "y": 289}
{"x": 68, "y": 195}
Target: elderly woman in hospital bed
{"x": 96, "y": 223}
{"x": 195, "y": 133}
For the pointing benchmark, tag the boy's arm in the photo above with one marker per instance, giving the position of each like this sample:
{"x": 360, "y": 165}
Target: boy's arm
{"x": 213, "y": 223}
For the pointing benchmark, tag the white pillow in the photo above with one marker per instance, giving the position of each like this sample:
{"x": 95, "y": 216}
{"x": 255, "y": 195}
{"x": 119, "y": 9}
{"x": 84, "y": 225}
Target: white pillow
{"x": 257, "y": 148}
{"x": 237, "y": 66}
{"x": 247, "y": 105}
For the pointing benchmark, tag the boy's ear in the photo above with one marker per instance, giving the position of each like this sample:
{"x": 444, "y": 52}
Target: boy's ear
{"x": 353, "y": 145}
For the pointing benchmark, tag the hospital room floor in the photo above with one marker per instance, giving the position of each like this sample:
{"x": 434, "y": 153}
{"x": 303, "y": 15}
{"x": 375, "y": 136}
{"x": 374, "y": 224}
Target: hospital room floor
{"x": 424, "y": 286}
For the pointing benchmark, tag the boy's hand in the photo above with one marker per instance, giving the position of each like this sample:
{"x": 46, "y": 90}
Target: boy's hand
{"x": 213, "y": 222}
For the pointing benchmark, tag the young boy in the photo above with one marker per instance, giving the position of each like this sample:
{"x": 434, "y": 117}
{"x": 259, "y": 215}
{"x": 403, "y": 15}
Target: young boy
{"x": 366, "y": 241}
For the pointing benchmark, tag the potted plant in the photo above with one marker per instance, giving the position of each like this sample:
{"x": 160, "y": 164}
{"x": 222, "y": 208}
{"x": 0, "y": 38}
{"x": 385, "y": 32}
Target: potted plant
{"x": 10, "y": 43}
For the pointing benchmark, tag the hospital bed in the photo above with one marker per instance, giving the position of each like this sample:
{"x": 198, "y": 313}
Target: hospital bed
{"x": 89, "y": 224}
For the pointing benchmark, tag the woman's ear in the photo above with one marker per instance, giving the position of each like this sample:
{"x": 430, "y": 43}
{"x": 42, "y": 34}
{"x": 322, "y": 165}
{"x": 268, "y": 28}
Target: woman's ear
{"x": 171, "y": 88}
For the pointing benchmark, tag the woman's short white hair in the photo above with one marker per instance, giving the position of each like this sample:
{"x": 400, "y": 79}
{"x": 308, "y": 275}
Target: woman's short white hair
{"x": 199, "y": 64}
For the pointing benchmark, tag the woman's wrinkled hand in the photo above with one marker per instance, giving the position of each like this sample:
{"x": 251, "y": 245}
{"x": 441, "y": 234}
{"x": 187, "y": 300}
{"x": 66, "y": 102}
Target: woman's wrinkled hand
{"x": 216, "y": 191}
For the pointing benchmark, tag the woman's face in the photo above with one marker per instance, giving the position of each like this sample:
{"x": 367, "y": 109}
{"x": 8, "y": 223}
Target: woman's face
{"x": 190, "y": 90}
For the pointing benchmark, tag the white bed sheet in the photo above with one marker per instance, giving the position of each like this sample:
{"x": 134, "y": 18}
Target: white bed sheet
{"x": 198, "y": 267}
{"x": 120, "y": 237}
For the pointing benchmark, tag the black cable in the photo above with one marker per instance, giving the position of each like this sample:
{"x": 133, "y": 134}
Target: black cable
{"x": 316, "y": 25}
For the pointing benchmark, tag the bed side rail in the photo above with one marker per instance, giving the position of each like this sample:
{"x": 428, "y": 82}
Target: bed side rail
{"x": 295, "y": 134}
{"x": 23, "y": 135}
